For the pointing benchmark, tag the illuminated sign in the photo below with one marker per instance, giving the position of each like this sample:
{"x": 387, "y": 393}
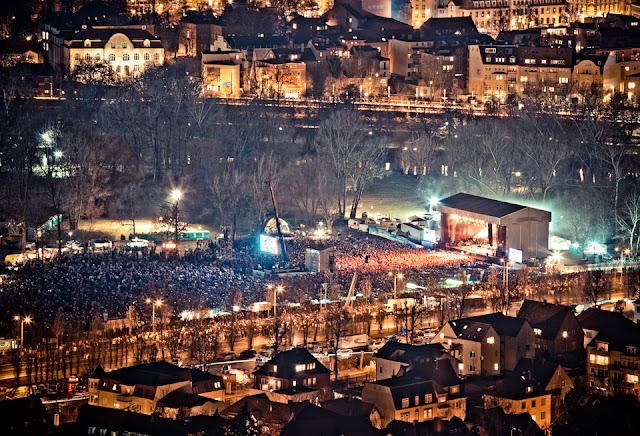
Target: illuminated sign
{"x": 515, "y": 255}
{"x": 269, "y": 244}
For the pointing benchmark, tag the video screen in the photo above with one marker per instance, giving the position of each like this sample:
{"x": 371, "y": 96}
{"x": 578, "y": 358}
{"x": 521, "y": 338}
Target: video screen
{"x": 269, "y": 244}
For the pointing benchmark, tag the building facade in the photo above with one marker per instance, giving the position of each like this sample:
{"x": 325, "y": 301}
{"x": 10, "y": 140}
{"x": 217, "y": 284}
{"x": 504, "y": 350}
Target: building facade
{"x": 411, "y": 399}
{"x": 128, "y": 50}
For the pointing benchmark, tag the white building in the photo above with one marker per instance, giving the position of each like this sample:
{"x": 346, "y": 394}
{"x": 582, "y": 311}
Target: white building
{"x": 130, "y": 50}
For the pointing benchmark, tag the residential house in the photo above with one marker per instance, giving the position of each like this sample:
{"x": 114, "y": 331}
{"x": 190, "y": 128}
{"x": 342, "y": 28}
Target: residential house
{"x": 517, "y": 395}
{"x": 395, "y": 356}
{"x": 636, "y": 311}
{"x": 356, "y": 408}
{"x": 180, "y": 404}
{"x": 312, "y": 420}
{"x": 271, "y": 416}
{"x": 556, "y": 328}
{"x": 292, "y": 370}
{"x": 414, "y": 397}
{"x": 139, "y": 388}
{"x": 130, "y": 50}
{"x": 280, "y": 78}
{"x": 548, "y": 377}
{"x": 196, "y": 34}
{"x": 613, "y": 352}
{"x": 487, "y": 344}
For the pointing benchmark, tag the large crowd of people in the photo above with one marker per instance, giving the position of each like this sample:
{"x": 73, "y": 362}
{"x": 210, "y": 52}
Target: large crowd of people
{"x": 84, "y": 286}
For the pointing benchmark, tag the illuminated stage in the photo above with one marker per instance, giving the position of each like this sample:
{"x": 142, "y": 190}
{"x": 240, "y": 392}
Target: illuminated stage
{"x": 494, "y": 228}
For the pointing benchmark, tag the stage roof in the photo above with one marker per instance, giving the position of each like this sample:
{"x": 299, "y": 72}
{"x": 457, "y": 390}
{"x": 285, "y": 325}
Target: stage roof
{"x": 480, "y": 205}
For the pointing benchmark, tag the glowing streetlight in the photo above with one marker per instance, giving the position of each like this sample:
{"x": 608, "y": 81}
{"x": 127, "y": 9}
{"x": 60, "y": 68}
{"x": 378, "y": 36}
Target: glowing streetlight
{"x": 24, "y": 320}
{"x": 153, "y": 312}
{"x": 278, "y": 289}
{"x": 176, "y": 194}
{"x": 395, "y": 282}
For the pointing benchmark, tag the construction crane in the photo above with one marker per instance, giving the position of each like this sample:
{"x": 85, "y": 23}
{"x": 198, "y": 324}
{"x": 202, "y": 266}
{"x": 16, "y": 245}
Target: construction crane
{"x": 348, "y": 304}
{"x": 283, "y": 250}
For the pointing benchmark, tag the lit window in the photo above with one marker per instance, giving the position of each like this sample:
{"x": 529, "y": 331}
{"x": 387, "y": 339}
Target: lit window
{"x": 538, "y": 332}
{"x": 405, "y": 403}
{"x": 631, "y": 378}
{"x": 496, "y": 366}
{"x": 460, "y": 366}
{"x": 490, "y": 340}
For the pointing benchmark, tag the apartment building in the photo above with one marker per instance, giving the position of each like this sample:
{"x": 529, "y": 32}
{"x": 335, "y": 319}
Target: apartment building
{"x": 507, "y": 72}
{"x": 556, "y": 328}
{"x": 395, "y": 357}
{"x": 613, "y": 352}
{"x": 487, "y": 344}
{"x": 413, "y": 398}
{"x": 140, "y": 388}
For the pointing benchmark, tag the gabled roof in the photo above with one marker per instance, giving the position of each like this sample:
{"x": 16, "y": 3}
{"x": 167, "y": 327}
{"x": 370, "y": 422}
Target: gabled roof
{"x": 349, "y": 406}
{"x": 283, "y": 365}
{"x": 405, "y": 353}
{"x": 149, "y": 374}
{"x": 545, "y": 316}
{"x": 441, "y": 371}
{"x": 502, "y": 324}
{"x": 103, "y": 34}
{"x": 313, "y": 420}
{"x": 540, "y": 372}
{"x": 612, "y": 327}
{"x": 264, "y": 409}
{"x": 449, "y": 25}
{"x": 408, "y": 386}
{"x": 480, "y": 205}
{"x": 470, "y": 330}
{"x": 98, "y": 372}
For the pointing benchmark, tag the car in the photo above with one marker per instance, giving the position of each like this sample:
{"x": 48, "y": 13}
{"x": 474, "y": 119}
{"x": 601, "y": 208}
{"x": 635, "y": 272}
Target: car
{"x": 344, "y": 353}
{"x": 229, "y": 356}
{"x": 248, "y": 354}
{"x": 261, "y": 358}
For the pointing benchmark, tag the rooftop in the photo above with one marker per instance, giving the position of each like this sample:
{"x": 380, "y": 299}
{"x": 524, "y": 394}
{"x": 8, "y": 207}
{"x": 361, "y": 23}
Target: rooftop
{"x": 480, "y": 205}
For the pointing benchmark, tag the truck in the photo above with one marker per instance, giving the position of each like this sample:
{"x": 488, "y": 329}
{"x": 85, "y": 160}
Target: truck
{"x": 354, "y": 342}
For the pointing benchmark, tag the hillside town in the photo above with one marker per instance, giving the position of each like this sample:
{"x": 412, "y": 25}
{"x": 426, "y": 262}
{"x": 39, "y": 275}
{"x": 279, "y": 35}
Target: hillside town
{"x": 347, "y": 217}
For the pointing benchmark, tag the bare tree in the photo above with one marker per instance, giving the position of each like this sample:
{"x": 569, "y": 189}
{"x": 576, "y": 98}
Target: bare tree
{"x": 336, "y": 323}
{"x": 596, "y": 285}
{"x": 417, "y": 154}
{"x": 628, "y": 222}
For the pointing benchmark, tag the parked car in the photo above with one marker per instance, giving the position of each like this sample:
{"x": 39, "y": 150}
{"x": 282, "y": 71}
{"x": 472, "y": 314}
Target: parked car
{"x": 248, "y": 354}
{"x": 229, "y": 356}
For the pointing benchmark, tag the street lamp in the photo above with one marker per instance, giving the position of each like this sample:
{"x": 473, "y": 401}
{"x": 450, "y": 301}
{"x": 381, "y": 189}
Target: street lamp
{"x": 395, "y": 283}
{"x": 24, "y": 320}
{"x": 153, "y": 312}
{"x": 278, "y": 289}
